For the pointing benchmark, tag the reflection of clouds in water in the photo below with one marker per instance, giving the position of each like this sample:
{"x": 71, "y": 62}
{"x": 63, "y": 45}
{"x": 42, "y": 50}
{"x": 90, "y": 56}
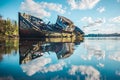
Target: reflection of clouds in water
{"x": 35, "y": 65}
{"x": 117, "y": 72}
{"x": 106, "y": 45}
{"x": 100, "y": 65}
{"x": 54, "y": 67}
{"x": 109, "y": 47}
{"x": 38, "y": 65}
{"x": 91, "y": 72}
{"x": 93, "y": 51}
{"x": 115, "y": 56}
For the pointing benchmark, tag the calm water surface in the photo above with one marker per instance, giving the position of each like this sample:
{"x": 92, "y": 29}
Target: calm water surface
{"x": 92, "y": 59}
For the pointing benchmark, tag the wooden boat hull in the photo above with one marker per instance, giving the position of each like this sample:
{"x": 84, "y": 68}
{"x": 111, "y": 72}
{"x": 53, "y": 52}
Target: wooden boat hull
{"x": 28, "y": 30}
{"x": 33, "y": 27}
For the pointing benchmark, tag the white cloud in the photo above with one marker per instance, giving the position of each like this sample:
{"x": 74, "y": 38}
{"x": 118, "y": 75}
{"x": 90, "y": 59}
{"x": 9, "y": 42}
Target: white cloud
{"x": 91, "y": 72}
{"x": 39, "y": 65}
{"x": 87, "y": 19}
{"x": 115, "y": 56}
{"x": 115, "y": 19}
{"x": 109, "y": 28}
{"x": 101, "y": 9}
{"x": 82, "y": 4}
{"x": 41, "y": 9}
{"x": 93, "y": 23}
{"x": 53, "y": 6}
{"x": 101, "y": 25}
{"x": 34, "y": 8}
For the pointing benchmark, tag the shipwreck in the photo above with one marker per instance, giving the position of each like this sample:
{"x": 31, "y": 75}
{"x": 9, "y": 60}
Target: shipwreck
{"x": 33, "y": 27}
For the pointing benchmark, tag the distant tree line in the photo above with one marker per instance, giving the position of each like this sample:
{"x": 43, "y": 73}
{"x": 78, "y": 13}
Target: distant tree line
{"x": 8, "y": 28}
{"x": 103, "y": 35}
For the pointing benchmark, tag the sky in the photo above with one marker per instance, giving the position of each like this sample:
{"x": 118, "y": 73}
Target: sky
{"x": 92, "y": 16}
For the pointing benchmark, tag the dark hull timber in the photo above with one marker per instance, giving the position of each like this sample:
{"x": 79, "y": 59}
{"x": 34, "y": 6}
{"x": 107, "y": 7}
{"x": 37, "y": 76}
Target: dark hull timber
{"x": 28, "y": 30}
{"x": 30, "y": 34}
{"x": 33, "y": 27}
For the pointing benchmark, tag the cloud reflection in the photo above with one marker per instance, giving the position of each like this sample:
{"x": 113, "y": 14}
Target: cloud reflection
{"x": 91, "y": 72}
{"x": 115, "y": 56}
{"x": 100, "y": 65}
{"x": 117, "y": 72}
{"x": 39, "y": 65}
{"x": 35, "y": 65}
{"x": 93, "y": 51}
{"x": 54, "y": 67}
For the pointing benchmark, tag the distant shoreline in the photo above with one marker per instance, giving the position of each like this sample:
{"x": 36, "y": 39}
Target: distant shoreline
{"x": 103, "y": 35}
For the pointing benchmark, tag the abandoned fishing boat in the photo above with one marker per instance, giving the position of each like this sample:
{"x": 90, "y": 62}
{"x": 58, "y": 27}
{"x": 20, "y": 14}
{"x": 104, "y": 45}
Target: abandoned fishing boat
{"x": 33, "y": 27}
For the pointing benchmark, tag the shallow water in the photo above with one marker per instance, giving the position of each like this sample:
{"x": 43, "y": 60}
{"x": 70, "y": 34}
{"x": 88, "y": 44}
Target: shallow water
{"x": 92, "y": 59}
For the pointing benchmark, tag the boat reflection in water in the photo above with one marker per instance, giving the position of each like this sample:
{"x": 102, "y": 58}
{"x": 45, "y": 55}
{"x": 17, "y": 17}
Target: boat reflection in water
{"x": 31, "y": 49}
{"x": 60, "y": 59}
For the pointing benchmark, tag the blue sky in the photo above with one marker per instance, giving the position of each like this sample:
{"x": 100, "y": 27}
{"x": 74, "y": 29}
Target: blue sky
{"x": 92, "y": 16}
